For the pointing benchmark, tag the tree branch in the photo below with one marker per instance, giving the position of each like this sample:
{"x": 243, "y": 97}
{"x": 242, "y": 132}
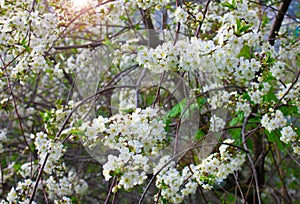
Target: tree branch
{"x": 278, "y": 20}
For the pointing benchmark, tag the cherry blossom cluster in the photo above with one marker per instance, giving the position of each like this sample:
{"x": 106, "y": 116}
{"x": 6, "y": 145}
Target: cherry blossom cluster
{"x": 54, "y": 118}
{"x": 46, "y": 146}
{"x": 174, "y": 184}
{"x": 243, "y": 107}
{"x": 289, "y": 92}
{"x": 182, "y": 56}
{"x": 26, "y": 34}
{"x": 288, "y": 134}
{"x": 21, "y": 193}
{"x": 204, "y": 56}
{"x": 257, "y": 91}
{"x": 124, "y": 55}
{"x": 276, "y": 120}
{"x": 56, "y": 182}
{"x": 145, "y": 4}
{"x": 180, "y": 15}
{"x": 65, "y": 184}
{"x": 240, "y": 7}
{"x": 131, "y": 169}
{"x": 170, "y": 181}
{"x": 222, "y": 43}
{"x": 136, "y": 136}
{"x": 216, "y": 124}
{"x": 189, "y": 15}
{"x": 219, "y": 99}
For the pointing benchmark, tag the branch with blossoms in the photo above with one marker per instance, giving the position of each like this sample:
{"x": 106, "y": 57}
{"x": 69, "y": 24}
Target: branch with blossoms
{"x": 149, "y": 101}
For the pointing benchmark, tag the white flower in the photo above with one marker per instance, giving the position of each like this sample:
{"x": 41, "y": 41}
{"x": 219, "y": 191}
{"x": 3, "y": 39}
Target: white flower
{"x": 206, "y": 187}
{"x": 288, "y": 134}
{"x": 277, "y": 70}
{"x": 180, "y": 15}
{"x": 12, "y": 196}
{"x": 276, "y": 121}
{"x": 244, "y": 107}
{"x": 296, "y": 149}
{"x": 3, "y": 135}
{"x": 128, "y": 180}
{"x": 216, "y": 124}
{"x": 256, "y": 96}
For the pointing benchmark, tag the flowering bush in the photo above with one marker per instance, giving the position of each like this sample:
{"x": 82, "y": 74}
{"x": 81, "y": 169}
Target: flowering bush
{"x": 149, "y": 101}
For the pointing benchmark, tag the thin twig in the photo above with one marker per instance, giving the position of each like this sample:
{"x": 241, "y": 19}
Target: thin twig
{"x": 38, "y": 178}
{"x": 289, "y": 89}
{"x": 138, "y": 84}
{"x": 285, "y": 193}
{"x": 250, "y": 160}
{"x": 73, "y": 20}
{"x": 90, "y": 45}
{"x": 157, "y": 95}
{"x": 238, "y": 185}
{"x": 110, "y": 190}
{"x": 204, "y": 15}
{"x": 2, "y": 180}
{"x": 293, "y": 157}
{"x": 17, "y": 111}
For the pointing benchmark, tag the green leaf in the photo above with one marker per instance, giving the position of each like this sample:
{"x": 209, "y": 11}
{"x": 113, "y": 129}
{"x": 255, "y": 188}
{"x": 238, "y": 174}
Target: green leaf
{"x": 254, "y": 120}
{"x": 250, "y": 144}
{"x": 137, "y": 27}
{"x": 163, "y": 185}
{"x": 236, "y": 134}
{"x": 270, "y": 97}
{"x": 23, "y": 41}
{"x": 79, "y": 122}
{"x": 199, "y": 135}
{"x": 201, "y": 102}
{"x": 228, "y": 5}
{"x": 177, "y": 109}
{"x": 234, "y": 121}
{"x": 3, "y": 162}
{"x": 17, "y": 166}
{"x": 269, "y": 60}
{"x": 27, "y": 48}
{"x": 124, "y": 18}
{"x": 25, "y": 44}
{"x": 271, "y": 135}
{"x": 245, "y": 52}
{"x": 246, "y": 96}
{"x": 32, "y": 147}
{"x": 241, "y": 116}
{"x": 46, "y": 116}
{"x": 244, "y": 28}
{"x": 289, "y": 110}
{"x": 78, "y": 133}
{"x": 265, "y": 20}
{"x": 166, "y": 120}
{"x": 238, "y": 24}
{"x": 107, "y": 42}
{"x": 74, "y": 199}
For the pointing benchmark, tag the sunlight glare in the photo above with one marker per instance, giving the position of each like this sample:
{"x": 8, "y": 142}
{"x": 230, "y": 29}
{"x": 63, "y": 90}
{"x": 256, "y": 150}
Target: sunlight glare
{"x": 79, "y": 4}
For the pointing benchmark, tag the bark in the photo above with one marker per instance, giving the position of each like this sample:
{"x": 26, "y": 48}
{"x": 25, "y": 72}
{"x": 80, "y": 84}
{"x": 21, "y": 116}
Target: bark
{"x": 284, "y": 5}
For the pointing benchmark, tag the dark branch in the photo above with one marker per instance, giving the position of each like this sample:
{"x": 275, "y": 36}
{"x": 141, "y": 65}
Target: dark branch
{"x": 278, "y": 20}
